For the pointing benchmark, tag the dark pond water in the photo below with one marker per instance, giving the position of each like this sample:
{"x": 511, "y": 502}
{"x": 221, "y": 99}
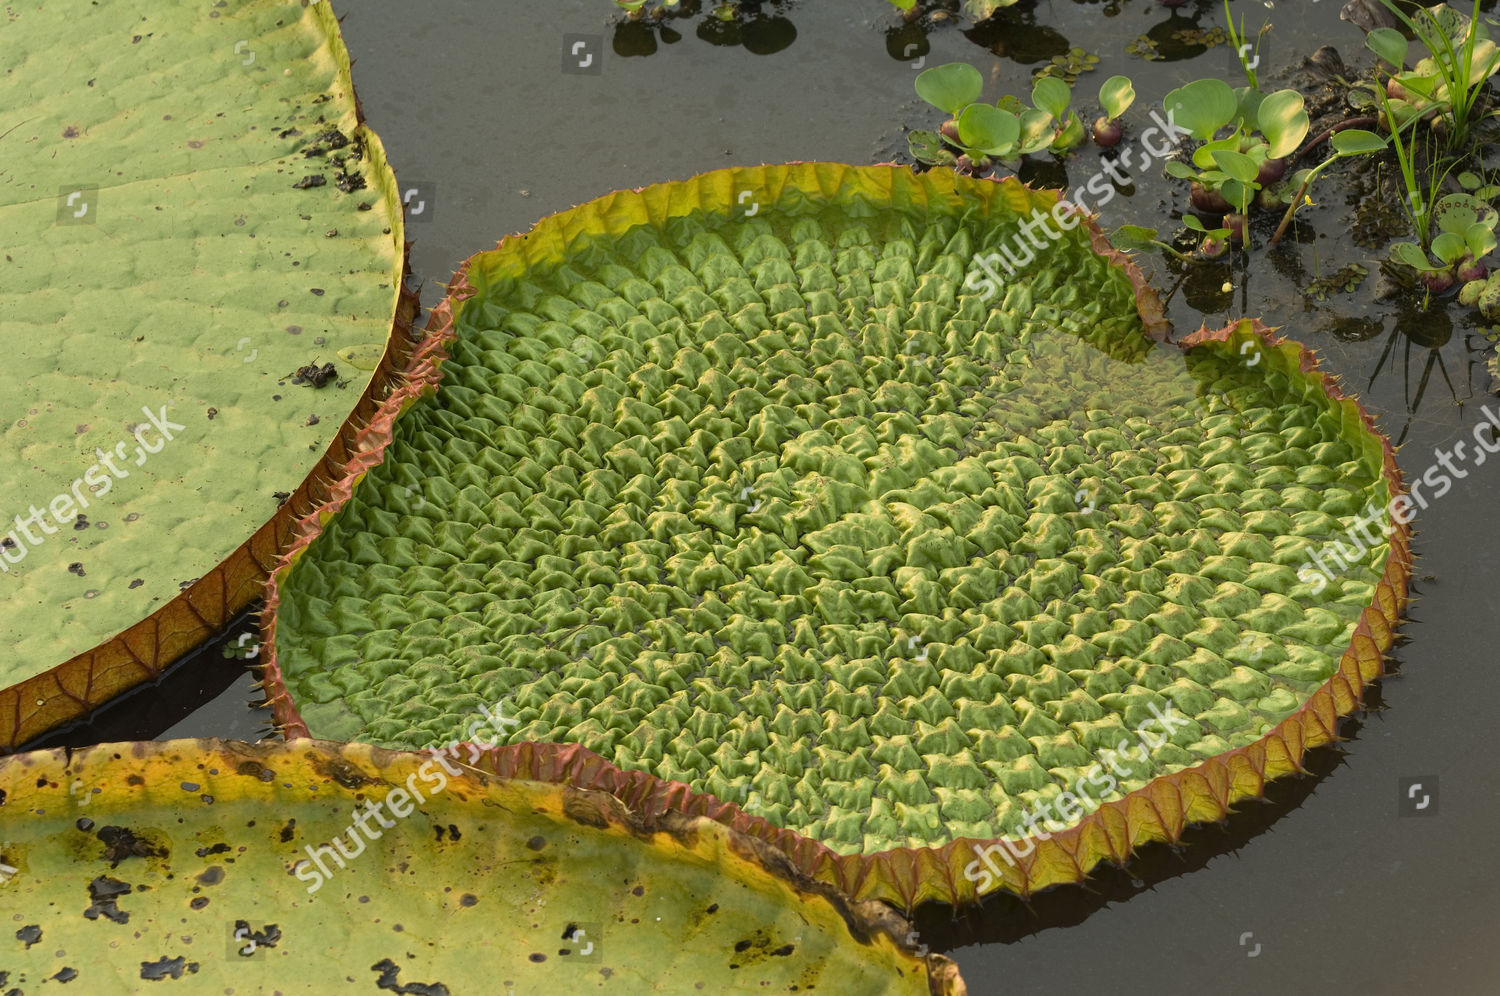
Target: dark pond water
{"x": 1330, "y": 884}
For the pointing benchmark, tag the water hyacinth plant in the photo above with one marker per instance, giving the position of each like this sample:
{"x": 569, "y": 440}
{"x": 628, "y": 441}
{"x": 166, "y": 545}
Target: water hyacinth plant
{"x": 1447, "y": 85}
{"x": 1466, "y": 235}
{"x": 1263, "y": 130}
{"x": 979, "y": 136}
{"x": 1115, "y": 97}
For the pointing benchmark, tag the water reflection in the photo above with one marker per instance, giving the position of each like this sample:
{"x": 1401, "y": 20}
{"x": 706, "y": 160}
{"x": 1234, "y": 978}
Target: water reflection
{"x": 757, "y": 25}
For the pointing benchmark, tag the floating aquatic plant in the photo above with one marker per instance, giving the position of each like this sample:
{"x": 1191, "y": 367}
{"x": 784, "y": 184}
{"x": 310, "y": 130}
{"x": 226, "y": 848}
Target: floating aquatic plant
{"x": 231, "y": 866}
{"x": 167, "y": 274}
{"x": 757, "y": 484}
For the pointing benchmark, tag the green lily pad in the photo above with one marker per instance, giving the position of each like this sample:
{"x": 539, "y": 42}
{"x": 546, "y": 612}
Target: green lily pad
{"x": 194, "y": 213}
{"x": 231, "y": 867}
{"x": 823, "y": 512}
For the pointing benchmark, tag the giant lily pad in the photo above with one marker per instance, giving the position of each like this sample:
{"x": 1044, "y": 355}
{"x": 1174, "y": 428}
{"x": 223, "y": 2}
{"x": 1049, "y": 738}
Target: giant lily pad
{"x": 237, "y": 868}
{"x": 887, "y": 554}
{"x": 193, "y": 212}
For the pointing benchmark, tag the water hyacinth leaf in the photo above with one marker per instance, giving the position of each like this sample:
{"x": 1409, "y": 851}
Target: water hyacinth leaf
{"x": 1411, "y": 254}
{"x": 1132, "y": 238}
{"x": 988, "y": 129}
{"x": 1236, "y": 164}
{"x": 1248, "y": 100}
{"x": 1283, "y": 120}
{"x": 1116, "y": 95}
{"x": 1480, "y": 239}
{"x": 1202, "y": 107}
{"x": 1389, "y": 44}
{"x": 1070, "y": 135}
{"x": 671, "y": 533}
{"x": 951, "y": 87}
{"x": 1356, "y": 142}
{"x": 925, "y": 146}
{"x": 979, "y": 10}
{"x": 1180, "y": 170}
{"x": 1236, "y": 192}
{"x": 232, "y": 867}
{"x": 1203, "y": 156}
{"x": 1456, "y": 212}
{"x": 1038, "y": 130}
{"x": 1051, "y": 94}
{"x": 1449, "y": 247}
{"x": 153, "y": 410}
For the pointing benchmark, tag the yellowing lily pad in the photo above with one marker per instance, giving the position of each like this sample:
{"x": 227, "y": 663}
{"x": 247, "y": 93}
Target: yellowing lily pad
{"x": 229, "y": 867}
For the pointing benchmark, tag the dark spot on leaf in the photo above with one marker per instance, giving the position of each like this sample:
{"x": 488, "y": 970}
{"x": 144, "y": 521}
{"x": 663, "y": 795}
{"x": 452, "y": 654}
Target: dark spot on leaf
{"x": 265, "y": 938}
{"x": 256, "y": 769}
{"x": 309, "y": 181}
{"x": 76, "y": 568}
{"x": 742, "y": 946}
{"x": 65, "y": 974}
{"x": 155, "y": 971}
{"x": 537, "y": 843}
{"x": 468, "y": 899}
{"x": 136, "y": 583}
{"x": 784, "y": 950}
{"x": 211, "y": 875}
{"x": 388, "y": 973}
{"x": 287, "y": 831}
{"x": 120, "y": 843}
{"x": 639, "y": 890}
{"x": 219, "y": 848}
{"x": 537, "y": 956}
{"x": 85, "y": 824}
{"x": 70, "y": 132}
{"x": 29, "y": 934}
{"x": 198, "y": 902}
{"x": 104, "y": 891}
